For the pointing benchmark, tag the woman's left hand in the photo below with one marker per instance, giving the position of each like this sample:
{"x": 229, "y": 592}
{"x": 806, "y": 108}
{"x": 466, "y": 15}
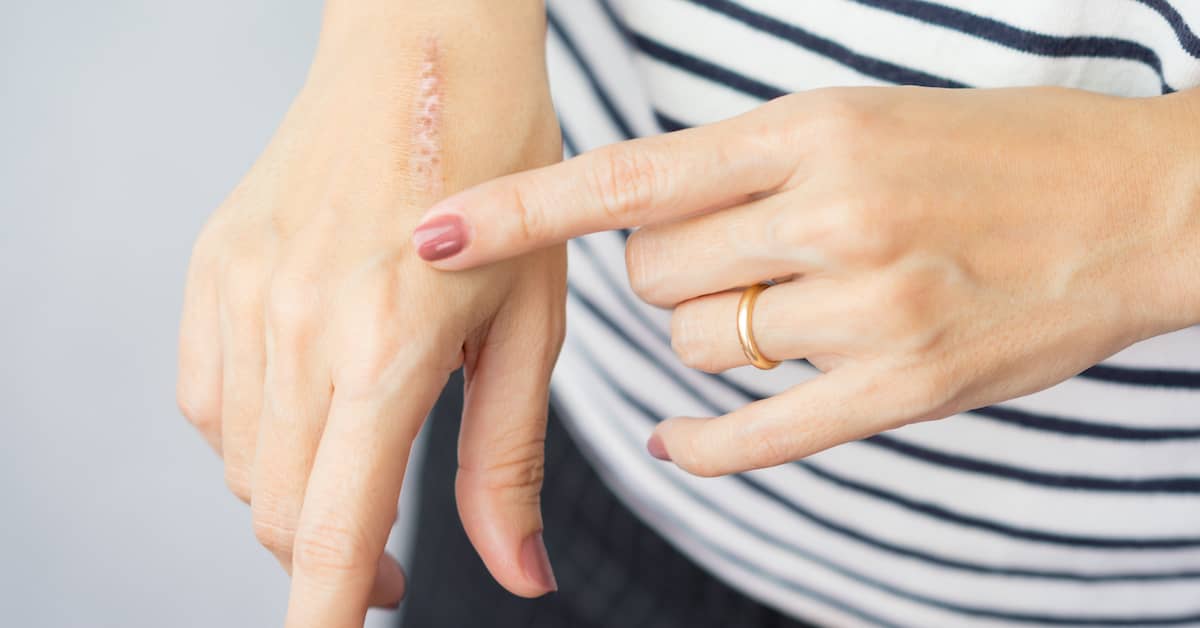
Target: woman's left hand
{"x": 946, "y": 249}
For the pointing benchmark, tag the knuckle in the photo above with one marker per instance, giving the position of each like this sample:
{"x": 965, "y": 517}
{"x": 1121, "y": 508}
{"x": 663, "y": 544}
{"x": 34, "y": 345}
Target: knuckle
{"x": 695, "y": 461}
{"x": 703, "y": 468}
{"x": 532, "y": 219}
{"x": 780, "y": 231}
{"x": 763, "y": 128}
{"x": 901, "y": 293}
{"x": 861, "y": 231}
{"x": 912, "y": 301}
{"x": 237, "y": 479}
{"x": 623, "y": 180}
{"x": 688, "y": 339}
{"x": 642, "y": 261}
{"x": 204, "y": 248}
{"x": 854, "y": 220}
{"x": 331, "y": 548}
{"x": 900, "y": 300}
{"x": 696, "y": 451}
{"x": 780, "y": 109}
{"x": 210, "y": 243}
{"x": 292, "y": 306}
{"x": 202, "y": 410}
{"x": 636, "y": 264}
{"x": 771, "y": 129}
{"x": 766, "y": 449}
{"x": 274, "y": 531}
{"x": 360, "y": 375}
{"x": 930, "y": 391}
{"x": 242, "y": 282}
{"x": 380, "y": 339}
{"x": 378, "y": 361}
{"x": 516, "y": 470}
{"x": 839, "y": 118}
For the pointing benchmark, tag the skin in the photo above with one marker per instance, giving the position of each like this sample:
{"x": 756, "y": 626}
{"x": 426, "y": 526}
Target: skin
{"x": 314, "y": 341}
{"x": 946, "y": 249}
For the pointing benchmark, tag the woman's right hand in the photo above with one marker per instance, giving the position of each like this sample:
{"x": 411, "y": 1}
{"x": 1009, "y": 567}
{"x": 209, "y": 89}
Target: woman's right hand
{"x": 314, "y": 341}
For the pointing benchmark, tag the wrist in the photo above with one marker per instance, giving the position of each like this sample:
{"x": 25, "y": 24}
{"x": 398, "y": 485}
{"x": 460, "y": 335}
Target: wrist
{"x": 379, "y": 67}
{"x": 350, "y": 27}
{"x": 1172, "y": 205}
{"x": 490, "y": 55}
{"x": 418, "y": 7}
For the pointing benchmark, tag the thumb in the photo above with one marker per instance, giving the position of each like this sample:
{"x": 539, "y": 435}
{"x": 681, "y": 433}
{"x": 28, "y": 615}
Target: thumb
{"x": 635, "y": 183}
{"x": 501, "y": 447}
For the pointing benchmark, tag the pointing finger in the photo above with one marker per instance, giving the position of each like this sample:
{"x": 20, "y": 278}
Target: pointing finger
{"x": 639, "y": 182}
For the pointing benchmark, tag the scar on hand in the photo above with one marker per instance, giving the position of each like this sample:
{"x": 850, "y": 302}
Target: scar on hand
{"x": 426, "y": 157}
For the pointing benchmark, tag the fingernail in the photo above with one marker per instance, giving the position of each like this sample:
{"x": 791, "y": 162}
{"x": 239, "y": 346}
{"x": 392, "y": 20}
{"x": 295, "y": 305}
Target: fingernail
{"x": 536, "y": 562}
{"x": 657, "y": 449}
{"x": 440, "y": 237}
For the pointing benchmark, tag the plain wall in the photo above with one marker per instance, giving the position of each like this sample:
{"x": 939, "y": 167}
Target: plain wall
{"x": 122, "y": 124}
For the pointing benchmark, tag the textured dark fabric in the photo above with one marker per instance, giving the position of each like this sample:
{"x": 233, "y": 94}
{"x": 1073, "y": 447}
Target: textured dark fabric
{"x": 612, "y": 570}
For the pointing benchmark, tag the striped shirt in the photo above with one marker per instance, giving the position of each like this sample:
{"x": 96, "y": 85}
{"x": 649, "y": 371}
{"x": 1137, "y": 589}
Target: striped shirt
{"x": 1077, "y": 505}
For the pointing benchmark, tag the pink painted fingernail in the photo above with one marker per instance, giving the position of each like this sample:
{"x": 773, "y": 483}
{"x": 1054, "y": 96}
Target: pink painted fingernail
{"x": 536, "y": 562}
{"x": 440, "y": 237}
{"x": 657, "y": 449}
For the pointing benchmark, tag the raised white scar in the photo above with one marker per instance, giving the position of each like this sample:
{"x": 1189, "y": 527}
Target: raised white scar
{"x": 426, "y": 156}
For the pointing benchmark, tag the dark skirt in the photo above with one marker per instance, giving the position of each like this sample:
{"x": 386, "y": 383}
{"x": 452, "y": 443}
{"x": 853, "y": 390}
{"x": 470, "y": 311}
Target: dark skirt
{"x": 612, "y": 570}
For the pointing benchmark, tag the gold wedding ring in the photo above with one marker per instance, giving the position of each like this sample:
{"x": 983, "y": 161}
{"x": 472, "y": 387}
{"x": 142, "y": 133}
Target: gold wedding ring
{"x": 745, "y": 327}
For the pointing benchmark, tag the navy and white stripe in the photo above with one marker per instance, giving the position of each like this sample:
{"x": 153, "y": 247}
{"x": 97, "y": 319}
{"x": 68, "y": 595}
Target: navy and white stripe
{"x": 1078, "y": 505}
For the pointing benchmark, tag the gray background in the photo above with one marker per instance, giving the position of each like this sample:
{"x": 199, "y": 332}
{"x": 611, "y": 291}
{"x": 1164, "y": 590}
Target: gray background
{"x": 123, "y": 124}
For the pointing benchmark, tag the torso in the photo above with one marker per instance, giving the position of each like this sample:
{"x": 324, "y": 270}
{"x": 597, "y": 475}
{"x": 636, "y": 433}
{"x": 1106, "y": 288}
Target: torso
{"x": 1076, "y": 505}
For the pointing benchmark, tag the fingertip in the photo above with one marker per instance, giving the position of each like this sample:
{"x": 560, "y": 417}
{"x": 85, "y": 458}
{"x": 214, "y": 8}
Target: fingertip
{"x": 507, "y": 535}
{"x": 535, "y": 562}
{"x": 658, "y": 448}
{"x": 675, "y": 441}
{"x": 390, "y": 584}
{"x": 441, "y": 236}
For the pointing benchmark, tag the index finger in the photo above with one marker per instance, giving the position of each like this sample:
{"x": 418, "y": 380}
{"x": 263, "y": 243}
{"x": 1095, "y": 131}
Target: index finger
{"x": 350, "y": 502}
{"x": 633, "y": 183}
